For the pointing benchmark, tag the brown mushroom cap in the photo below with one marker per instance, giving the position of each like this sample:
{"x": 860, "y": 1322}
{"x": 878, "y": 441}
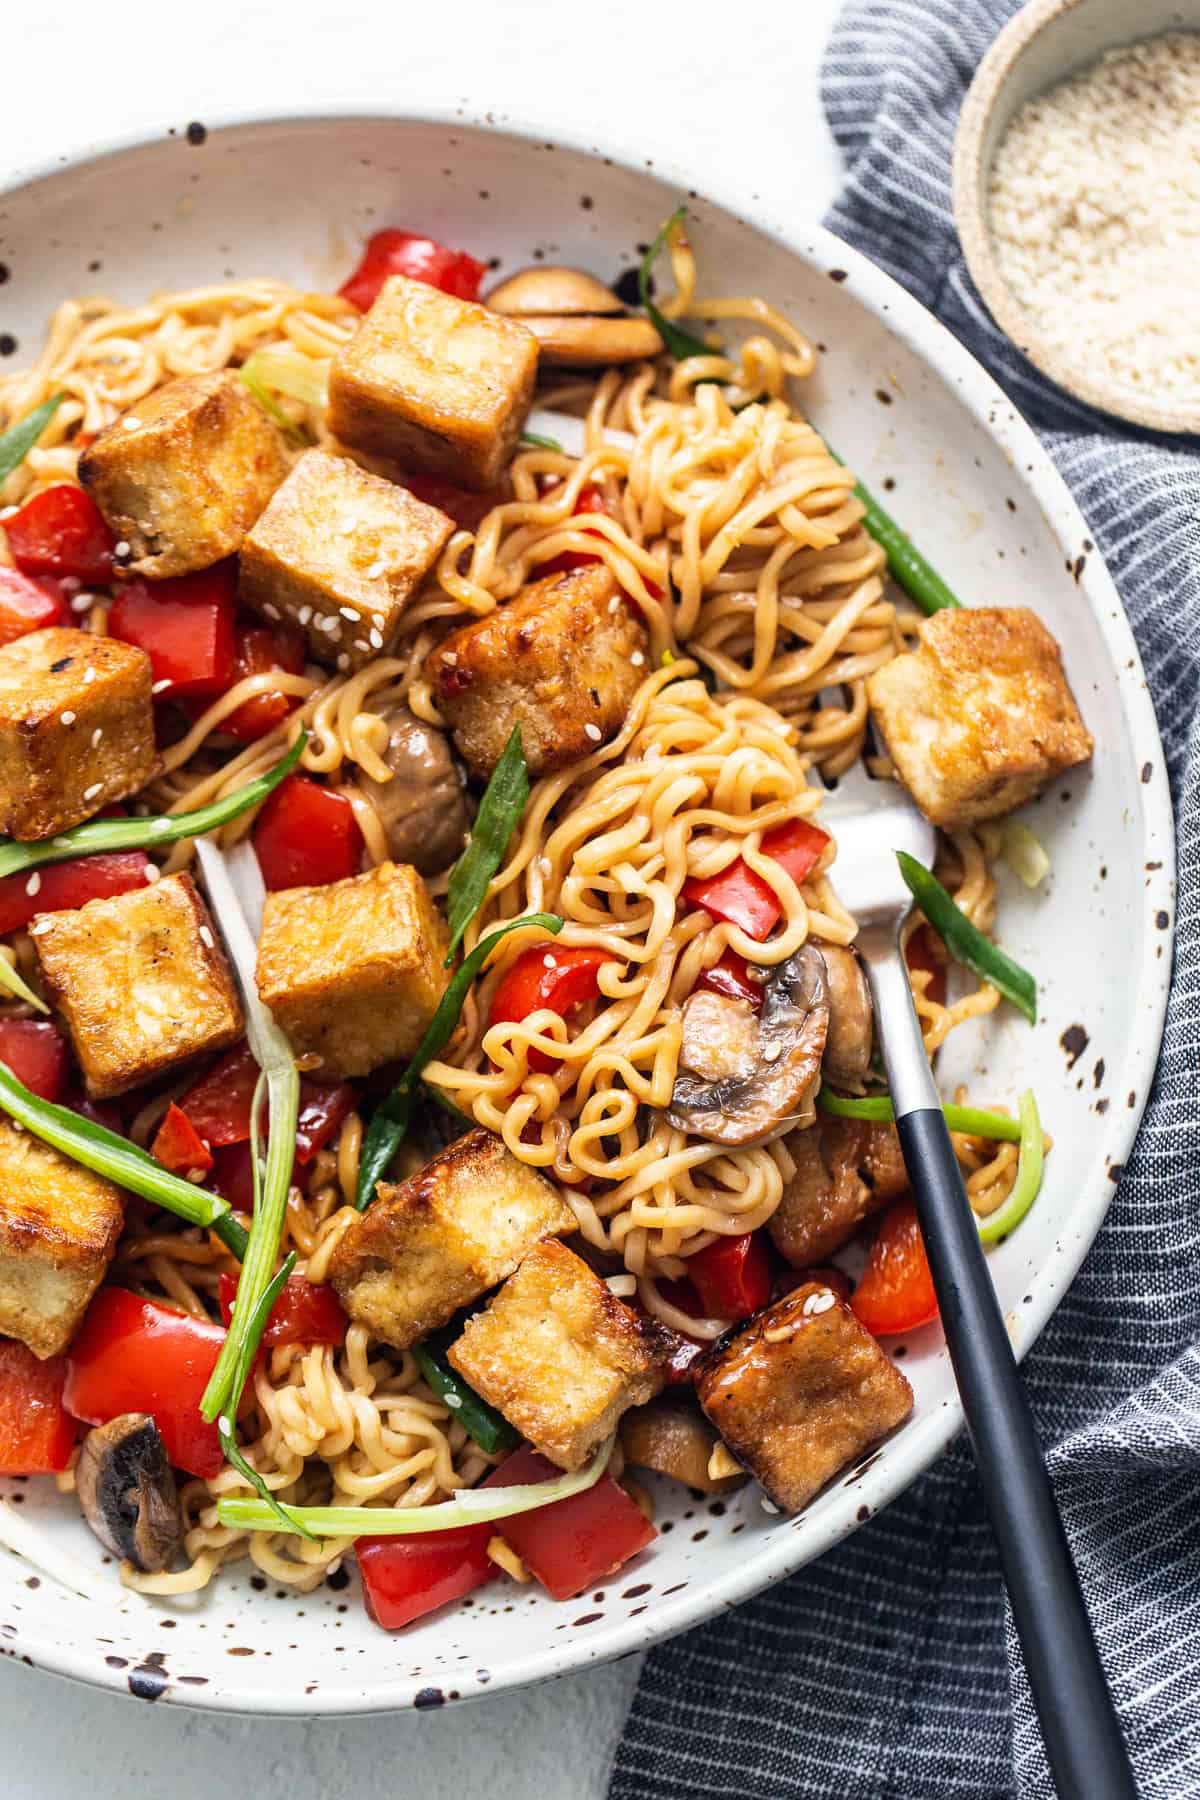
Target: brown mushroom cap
{"x": 851, "y": 1020}
{"x": 552, "y": 288}
{"x": 672, "y": 1437}
{"x": 591, "y": 343}
{"x": 127, "y": 1492}
{"x": 423, "y": 808}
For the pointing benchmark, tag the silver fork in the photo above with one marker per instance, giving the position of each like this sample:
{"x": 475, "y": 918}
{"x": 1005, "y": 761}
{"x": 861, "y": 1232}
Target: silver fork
{"x": 871, "y": 820}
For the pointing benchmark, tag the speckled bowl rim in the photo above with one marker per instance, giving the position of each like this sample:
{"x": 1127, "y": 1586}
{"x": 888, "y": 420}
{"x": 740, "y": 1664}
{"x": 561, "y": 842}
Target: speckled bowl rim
{"x": 878, "y": 1481}
{"x": 970, "y": 216}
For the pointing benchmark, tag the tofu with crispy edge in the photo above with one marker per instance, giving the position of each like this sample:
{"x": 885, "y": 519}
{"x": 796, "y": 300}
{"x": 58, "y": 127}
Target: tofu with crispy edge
{"x": 59, "y": 1226}
{"x": 184, "y": 472}
{"x": 560, "y": 1356}
{"x": 76, "y": 729}
{"x": 845, "y": 1169}
{"x": 142, "y": 982}
{"x": 437, "y": 384}
{"x": 979, "y": 717}
{"x": 353, "y": 971}
{"x": 563, "y": 661}
{"x": 799, "y": 1391}
{"x": 437, "y": 1241}
{"x": 339, "y": 552}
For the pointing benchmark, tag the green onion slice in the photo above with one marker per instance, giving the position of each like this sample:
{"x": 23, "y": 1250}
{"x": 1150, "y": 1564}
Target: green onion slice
{"x": 98, "y": 835}
{"x": 533, "y": 440}
{"x": 965, "y": 942}
{"x": 226, "y": 1431}
{"x": 1025, "y": 854}
{"x": 1029, "y": 1175}
{"x": 679, "y": 342}
{"x": 94, "y": 1147}
{"x": 20, "y": 438}
{"x": 470, "y": 1506}
{"x": 385, "y": 1134}
{"x": 288, "y": 371}
{"x": 18, "y": 987}
{"x": 490, "y": 1429}
{"x": 975, "y": 1121}
{"x": 498, "y": 816}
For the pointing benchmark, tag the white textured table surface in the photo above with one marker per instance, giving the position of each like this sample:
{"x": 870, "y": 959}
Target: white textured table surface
{"x": 728, "y": 95}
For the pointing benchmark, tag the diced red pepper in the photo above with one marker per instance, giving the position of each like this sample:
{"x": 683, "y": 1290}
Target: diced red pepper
{"x": 546, "y": 976}
{"x": 306, "y": 835}
{"x": 61, "y": 532}
{"x": 305, "y": 1313}
{"x": 466, "y": 509}
{"x": 233, "y": 1176}
{"x": 924, "y": 952}
{"x": 133, "y": 1355}
{"x": 732, "y": 1276}
{"x": 403, "y": 1578}
{"x": 185, "y": 626}
{"x": 395, "y": 252}
{"x": 219, "y": 1104}
{"x": 36, "y": 1433}
{"x": 179, "y": 1147}
{"x": 28, "y": 604}
{"x": 896, "y": 1291}
{"x": 322, "y": 1110}
{"x": 744, "y": 899}
{"x": 574, "y": 1543}
{"x": 258, "y": 650}
{"x": 62, "y": 887}
{"x": 37, "y": 1054}
{"x": 730, "y": 976}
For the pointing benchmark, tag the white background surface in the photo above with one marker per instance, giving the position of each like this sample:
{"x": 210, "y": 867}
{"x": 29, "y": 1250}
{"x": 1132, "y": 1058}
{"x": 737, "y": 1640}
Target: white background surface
{"x": 727, "y": 95}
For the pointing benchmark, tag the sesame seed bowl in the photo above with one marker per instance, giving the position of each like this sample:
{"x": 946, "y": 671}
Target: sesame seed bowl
{"x": 921, "y": 423}
{"x": 1078, "y": 207}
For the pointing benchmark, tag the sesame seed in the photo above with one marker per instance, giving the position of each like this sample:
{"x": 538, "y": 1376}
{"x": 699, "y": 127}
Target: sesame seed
{"x": 768, "y": 1506}
{"x": 304, "y": 615}
{"x": 362, "y": 644}
{"x": 623, "y": 1286}
{"x": 350, "y": 525}
{"x": 89, "y": 675}
{"x": 122, "y": 547}
{"x": 453, "y": 1401}
{"x": 332, "y": 627}
{"x": 61, "y": 843}
{"x": 131, "y": 424}
{"x": 83, "y": 603}
{"x": 637, "y": 659}
{"x": 594, "y": 732}
{"x": 271, "y": 612}
{"x": 33, "y": 884}
{"x": 42, "y": 925}
{"x": 614, "y": 604}
{"x": 96, "y": 736}
{"x": 451, "y": 659}
{"x": 376, "y": 570}
{"x": 772, "y": 1053}
{"x": 343, "y": 662}
{"x": 195, "y": 1175}
{"x": 549, "y": 962}
{"x": 70, "y": 584}
{"x": 206, "y": 938}
{"x": 68, "y": 718}
{"x": 377, "y": 640}
{"x": 819, "y": 1302}
{"x": 348, "y": 612}
{"x": 153, "y": 873}
{"x": 16, "y": 1125}
{"x": 89, "y": 793}
{"x": 224, "y": 1424}
{"x": 160, "y": 687}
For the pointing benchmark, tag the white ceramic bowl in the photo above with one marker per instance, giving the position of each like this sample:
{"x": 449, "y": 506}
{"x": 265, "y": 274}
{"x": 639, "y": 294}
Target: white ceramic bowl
{"x": 907, "y": 405}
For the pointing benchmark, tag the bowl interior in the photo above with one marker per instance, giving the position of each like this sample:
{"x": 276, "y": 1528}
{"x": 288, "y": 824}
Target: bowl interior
{"x": 927, "y": 430}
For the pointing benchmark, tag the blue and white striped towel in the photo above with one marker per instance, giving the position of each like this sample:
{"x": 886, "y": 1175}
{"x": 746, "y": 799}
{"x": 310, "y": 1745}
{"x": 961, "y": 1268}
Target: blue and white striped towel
{"x": 888, "y": 1670}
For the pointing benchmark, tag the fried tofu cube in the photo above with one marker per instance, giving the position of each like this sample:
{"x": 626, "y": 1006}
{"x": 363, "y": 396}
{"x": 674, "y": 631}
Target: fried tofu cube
{"x": 979, "y": 717}
{"x": 353, "y": 971}
{"x": 560, "y": 1356}
{"x": 799, "y": 1391}
{"x": 437, "y": 384}
{"x": 563, "y": 661}
{"x": 59, "y": 1226}
{"x": 142, "y": 982}
{"x": 435, "y": 1242}
{"x": 76, "y": 729}
{"x": 184, "y": 472}
{"x": 338, "y": 553}
{"x": 846, "y": 1169}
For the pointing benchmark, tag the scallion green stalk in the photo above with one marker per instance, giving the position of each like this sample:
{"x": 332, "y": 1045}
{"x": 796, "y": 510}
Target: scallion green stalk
{"x": 498, "y": 817}
{"x": 975, "y": 1121}
{"x": 678, "y": 341}
{"x": 20, "y": 438}
{"x": 12, "y": 979}
{"x": 1028, "y": 1181}
{"x": 965, "y": 942}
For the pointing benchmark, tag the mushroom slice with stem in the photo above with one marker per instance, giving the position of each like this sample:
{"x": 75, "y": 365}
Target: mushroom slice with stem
{"x": 127, "y": 1491}
{"x": 672, "y": 1436}
{"x": 851, "y": 1020}
{"x": 423, "y": 807}
{"x": 579, "y": 323}
{"x": 745, "y": 1080}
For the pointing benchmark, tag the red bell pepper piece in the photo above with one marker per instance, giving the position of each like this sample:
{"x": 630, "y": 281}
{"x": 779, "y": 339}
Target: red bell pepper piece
{"x": 730, "y": 976}
{"x": 305, "y": 1313}
{"x": 37, "y": 1054}
{"x": 62, "y": 887}
{"x": 570, "y": 1544}
{"x": 36, "y": 1433}
{"x": 133, "y": 1355}
{"x": 547, "y": 976}
{"x": 322, "y": 1109}
{"x": 28, "y": 605}
{"x": 306, "y": 835}
{"x": 179, "y": 1147}
{"x": 61, "y": 532}
{"x": 258, "y": 650}
{"x": 185, "y": 626}
{"x": 420, "y": 258}
{"x": 744, "y": 899}
{"x": 218, "y": 1106}
{"x": 466, "y": 509}
{"x": 923, "y": 951}
{"x": 896, "y": 1291}
{"x": 405, "y": 1577}
{"x": 233, "y": 1176}
{"x": 732, "y": 1276}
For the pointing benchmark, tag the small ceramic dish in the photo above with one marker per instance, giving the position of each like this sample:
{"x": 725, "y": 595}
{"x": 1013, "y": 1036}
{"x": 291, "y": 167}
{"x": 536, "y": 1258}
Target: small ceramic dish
{"x": 1045, "y": 43}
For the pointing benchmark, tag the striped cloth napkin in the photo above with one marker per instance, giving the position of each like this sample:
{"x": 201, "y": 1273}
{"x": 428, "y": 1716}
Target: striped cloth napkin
{"x": 889, "y": 1669}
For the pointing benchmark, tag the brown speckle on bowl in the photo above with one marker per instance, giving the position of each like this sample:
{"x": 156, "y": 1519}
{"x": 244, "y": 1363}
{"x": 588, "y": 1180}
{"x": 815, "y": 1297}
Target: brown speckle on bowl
{"x": 1074, "y": 1041}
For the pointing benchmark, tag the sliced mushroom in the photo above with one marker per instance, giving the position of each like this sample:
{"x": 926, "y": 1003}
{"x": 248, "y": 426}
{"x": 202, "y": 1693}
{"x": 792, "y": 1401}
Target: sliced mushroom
{"x": 745, "y": 1080}
{"x": 127, "y": 1491}
{"x": 851, "y": 1021}
{"x": 423, "y": 808}
{"x": 672, "y": 1437}
{"x": 579, "y": 323}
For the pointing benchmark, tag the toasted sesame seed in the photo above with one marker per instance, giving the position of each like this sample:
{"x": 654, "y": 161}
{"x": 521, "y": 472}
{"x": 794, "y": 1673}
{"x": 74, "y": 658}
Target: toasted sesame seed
{"x": 68, "y": 718}
{"x": 269, "y": 611}
{"x": 96, "y": 736}
{"x": 83, "y": 603}
{"x": 772, "y": 1053}
{"x": 348, "y": 612}
{"x": 61, "y": 843}
{"x": 70, "y": 584}
{"x": 819, "y": 1303}
{"x": 623, "y": 1286}
{"x": 206, "y": 938}
{"x": 377, "y": 640}
{"x": 304, "y": 615}
{"x": 196, "y": 1174}
{"x": 778, "y": 1334}
{"x": 16, "y": 1125}
{"x": 614, "y": 604}
{"x": 122, "y": 547}
{"x": 161, "y": 824}
{"x": 453, "y": 1401}
{"x": 451, "y": 659}
{"x": 768, "y": 1506}
{"x": 350, "y": 525}
{"x": 343, "y": 662}
{"x": 33, "y": 884}
{"x": 89, "y": 793}
{"x": 153, "y": 873}
{"x": 42, "y": 925}
{"x": 160, "y": 687}
{"x": 637, "y": 659}
{"x": 131, "y": 424}
{"x": 331, "y": 627}
{"x": 594, "y": 732}
{"x": 376, "y": 570}
{"x": 224, "y": 1423}
{"x": 89, "y": 675}
{"x": 362, "y": 644}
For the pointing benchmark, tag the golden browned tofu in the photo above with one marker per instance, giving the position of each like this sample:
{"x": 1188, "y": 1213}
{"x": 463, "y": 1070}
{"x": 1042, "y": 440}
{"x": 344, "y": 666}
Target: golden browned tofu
{"x": 560, "y": 1356}
{"x": 142, "y": 982}
{"x": 846, "y": 1169}
{"x": 799, "y": 1391}
{"x": 338, "y": 552}
{"x": 979, "y": 717}
{"x": 435, "y": 1242}
{"x": 353, "y": 971}
{"x": 563, "y": 661}
{"x": 59, "y": 1226}
{"x": 438, "y": 385}
{"x": 76, "y": 729}
{"x": 184, "y": 472}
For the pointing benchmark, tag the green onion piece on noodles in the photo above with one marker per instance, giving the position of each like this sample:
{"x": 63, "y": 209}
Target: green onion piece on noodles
{"x": 679, "y": 342}
{"x": 1024, "y": 853}
{"x": 12, "y": 979}
{"x": 965, "y": 942}
{"x": 498, "y": 816}
{"x": 975, "y": 1121}
{"x": 1028, "y": 1181}
{"x": 20, "y": 438}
